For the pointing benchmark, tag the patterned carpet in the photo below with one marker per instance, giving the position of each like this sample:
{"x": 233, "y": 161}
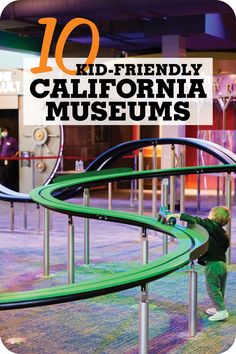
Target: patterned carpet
{"x": 107, "y": 324}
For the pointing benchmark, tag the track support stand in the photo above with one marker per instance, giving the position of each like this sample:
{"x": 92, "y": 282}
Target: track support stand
{"x": 25, "y": 216}
{"x": 192, "y": 311}
{"x": 144, "y": 246}
{"x": 164, "y": 203}
{"x": 143, "y": 320}
{"x": 12, "y": 217}
{"x": 46, "y": 244}
{"x": 228, "y": 202}
{"x": 110, "y": 195}
{"x": 38, "y": 218}
{"x": 71, "y": 251}
{"x": 86, "y": 229}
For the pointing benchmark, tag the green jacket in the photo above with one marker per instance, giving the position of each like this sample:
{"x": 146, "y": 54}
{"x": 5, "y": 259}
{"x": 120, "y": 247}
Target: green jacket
{"x": 218, "y": 238}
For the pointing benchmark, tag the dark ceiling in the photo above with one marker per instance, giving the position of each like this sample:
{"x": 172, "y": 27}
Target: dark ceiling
{"x": 134, "y": 26}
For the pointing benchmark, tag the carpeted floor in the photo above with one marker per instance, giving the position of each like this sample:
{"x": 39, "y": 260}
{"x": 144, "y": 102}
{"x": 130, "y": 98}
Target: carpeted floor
{"x": 107, "y": 324}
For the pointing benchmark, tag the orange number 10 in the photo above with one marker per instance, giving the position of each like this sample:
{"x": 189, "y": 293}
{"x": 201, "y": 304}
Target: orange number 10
{"x": 47, "y": 40}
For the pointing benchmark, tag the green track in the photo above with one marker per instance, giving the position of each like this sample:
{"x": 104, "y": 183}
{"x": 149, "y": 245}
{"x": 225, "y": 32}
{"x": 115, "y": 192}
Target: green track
{"x": 191, "y": 243}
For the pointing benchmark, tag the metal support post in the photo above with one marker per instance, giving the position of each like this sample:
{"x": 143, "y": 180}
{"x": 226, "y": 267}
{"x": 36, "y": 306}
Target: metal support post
{"x": 224, "y": 103}
{"x": 86, "y": 228}
{"x": 25, "y": 216}
{"x": 33, "y": 171}
{"x": 38, "y": 218}
{"x": 199, "y": 184}
{"x": 164, "y": 202}
{"x": 192, "y": 312}
{"x": 172, "y": 181}
{"x": 228, "y": 202}
{"x": 132, "y": 194}
{"x": 51, "y": 220}
{"x": 61, "y": 163}
{"x": 154, "y": 183}
{"x": 140, "y": 183}
{"x": 140, "y": 186}
{"x": 46, "y": 244}
{"x": 223, "y": 186}
{"x": 182, "y": 183}
{"x": 217, "y": 190}
{"x": 109, "y": 195}
{"x": 144, "y": 247}
{"x": 12, "y": 216}
{"x": 135, "y": 181}
{"x": 182, "y": 194}
{"x": 71, "y": 251}
{"x": 143, "y": 321}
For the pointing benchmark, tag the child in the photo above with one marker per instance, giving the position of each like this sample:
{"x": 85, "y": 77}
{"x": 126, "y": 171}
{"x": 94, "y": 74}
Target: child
{"x": 214, "y": 259}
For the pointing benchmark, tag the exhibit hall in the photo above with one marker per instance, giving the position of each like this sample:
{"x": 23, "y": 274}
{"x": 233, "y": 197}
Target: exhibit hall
{"x": 117, "y": 176}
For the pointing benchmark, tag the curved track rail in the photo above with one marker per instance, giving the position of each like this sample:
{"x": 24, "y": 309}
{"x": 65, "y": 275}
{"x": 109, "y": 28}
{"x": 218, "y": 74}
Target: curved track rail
{"x": 106, "y": 159}
{"x": 111, "y": 155}
{"x": 192, "y": 244}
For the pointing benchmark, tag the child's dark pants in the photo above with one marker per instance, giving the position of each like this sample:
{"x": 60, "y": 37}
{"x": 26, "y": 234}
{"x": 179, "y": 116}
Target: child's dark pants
{"x": 216, "y": 274}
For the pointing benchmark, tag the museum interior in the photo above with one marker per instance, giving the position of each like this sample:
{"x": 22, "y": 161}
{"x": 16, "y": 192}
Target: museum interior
{"x": 90, "y": 260}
